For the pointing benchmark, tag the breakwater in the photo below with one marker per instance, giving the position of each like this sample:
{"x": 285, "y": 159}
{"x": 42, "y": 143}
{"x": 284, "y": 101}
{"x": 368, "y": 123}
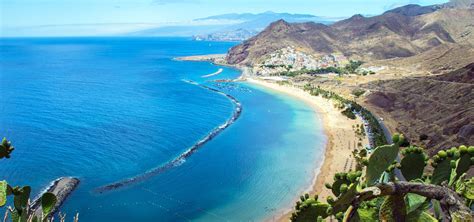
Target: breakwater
{"x": 181, "y": 158}
{"x": 213, "y": 74}
{"x": 62, "y": 188}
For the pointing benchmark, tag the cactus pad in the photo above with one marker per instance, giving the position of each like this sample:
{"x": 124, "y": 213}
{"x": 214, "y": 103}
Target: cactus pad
{"x": 3, "y": 193}
{"x": 412, "y": 165}
{"x": 48, "y": 201}
{"x": 442, "y": 171}
{"x": 344, "y": 201}
{"x": 386, "y": 212}
{"x": 379, "y": 161}
{"x": 463, "y": 164}
{"x": 310, "y": 210}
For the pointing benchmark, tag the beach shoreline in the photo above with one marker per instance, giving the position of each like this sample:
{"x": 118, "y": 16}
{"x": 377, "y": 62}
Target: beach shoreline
{"x": 341, "y": 138}
{"x": 336, "y": 127}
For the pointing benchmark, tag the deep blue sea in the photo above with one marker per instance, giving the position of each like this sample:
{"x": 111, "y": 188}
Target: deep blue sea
{"x": 107, "y": 109}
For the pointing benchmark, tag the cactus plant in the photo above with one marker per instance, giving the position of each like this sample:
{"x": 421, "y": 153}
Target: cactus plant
{"x": 413, "y": 164}
{"x": 6, "y": 149}
{"x": 442, "y": 171}
{"x": 379, "y": 161}
{"x": 400, "y": 140}
{"x": 339, "y": 180}
{"x": 21, "y": 196}
{"x": 451, "y": 164}
{"x": 3, "y": 193}
{"x": 393, "y": 209}
{"x": 383, "y": 197}
{"x": 310, "y": 210}
{"x": 463, "y": 164}
{"x": 343, "y": 202}
{"x": 48, "y": 201}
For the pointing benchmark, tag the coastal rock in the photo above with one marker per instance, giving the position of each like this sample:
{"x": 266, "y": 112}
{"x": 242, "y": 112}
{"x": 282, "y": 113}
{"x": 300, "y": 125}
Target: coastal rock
{"x": 62, "y": 188}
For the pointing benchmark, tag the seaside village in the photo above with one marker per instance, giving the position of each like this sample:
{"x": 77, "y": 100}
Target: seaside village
{"x": 291, "y": 59}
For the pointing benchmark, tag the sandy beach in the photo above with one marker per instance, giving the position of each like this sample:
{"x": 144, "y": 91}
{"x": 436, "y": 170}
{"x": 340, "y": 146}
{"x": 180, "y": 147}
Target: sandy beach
{"x": 200, "y": 58}
{"x": 341, "y": 136}
{"x": 341, "y": 140}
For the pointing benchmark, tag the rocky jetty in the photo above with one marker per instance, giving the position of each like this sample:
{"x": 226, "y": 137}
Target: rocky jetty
{"x": 62, "y": 188}
{"x": 181, "y": 158}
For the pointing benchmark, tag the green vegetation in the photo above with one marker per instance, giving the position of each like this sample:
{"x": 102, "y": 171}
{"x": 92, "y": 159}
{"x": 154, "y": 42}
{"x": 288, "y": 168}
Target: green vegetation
{"x": 360, "y": 131}
{"x": 375, "y": 193}
{"x": 358, "y": 92}
{"x": 21, "y": 196}
{"x": 352, "y": 66}
{"x": 348, "y": 112}
{"x": 288, "y": 67}
{"x": 374, "y": 125}
{"x": 347, "y": 69}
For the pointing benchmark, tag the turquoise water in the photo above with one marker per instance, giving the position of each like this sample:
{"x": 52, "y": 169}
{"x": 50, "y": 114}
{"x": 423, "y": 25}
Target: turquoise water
{"x": 108, "y": 109}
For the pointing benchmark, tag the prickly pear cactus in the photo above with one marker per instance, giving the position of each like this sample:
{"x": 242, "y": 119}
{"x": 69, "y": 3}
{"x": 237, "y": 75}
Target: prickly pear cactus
{"x": 442, "y": 164}
{"x": 48, "y": 201}
{"x": 389, "y": 207}
{"x": 413, "y": 163}
{"x": 451, "y": 164}
{"x": 20, "y": 200}
{"x": 379, "y": 161}
{"x": 310, "y": 210}
{"x": 465, "y": 188}
{"x": 464, "y": 161}
{"x": 400, "y": 140}
{"x": 340, "y": 183}
{"x": 3, "y": 193}
{"x": 345, "y": 199}
{"x": 6, "y": 149}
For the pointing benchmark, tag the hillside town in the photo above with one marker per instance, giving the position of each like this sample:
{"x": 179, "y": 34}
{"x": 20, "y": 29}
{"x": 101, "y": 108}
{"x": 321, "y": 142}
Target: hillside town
{"x": 291, "y": 59}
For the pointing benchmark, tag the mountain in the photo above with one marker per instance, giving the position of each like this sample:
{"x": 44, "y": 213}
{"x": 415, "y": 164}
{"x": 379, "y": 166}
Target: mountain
{"x": 414, "y": 10}
{"x": 460, "y": 4}
{"x": 178, "y": 31}
{"x": 424, "y": 58}
{"x": 251, "y": 16}
{"x": 439, "y": 107}
{"x": 252, "y": 24}
{"x": 229, "y": 27}
{"x": 402, "y": 32}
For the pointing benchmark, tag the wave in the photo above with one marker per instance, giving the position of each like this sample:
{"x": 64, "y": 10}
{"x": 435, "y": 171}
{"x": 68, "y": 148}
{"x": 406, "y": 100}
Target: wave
{"x": 213, "y": 74}
{"x": 181, "y": 158}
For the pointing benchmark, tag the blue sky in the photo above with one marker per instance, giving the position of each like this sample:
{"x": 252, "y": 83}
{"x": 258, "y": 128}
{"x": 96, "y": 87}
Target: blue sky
{"x": 98, "y": 17}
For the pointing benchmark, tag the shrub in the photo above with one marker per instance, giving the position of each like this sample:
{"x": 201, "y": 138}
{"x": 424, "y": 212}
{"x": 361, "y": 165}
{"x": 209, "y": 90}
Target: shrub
{"x": 358, "y": 92}
{"x": 348, "y": 112}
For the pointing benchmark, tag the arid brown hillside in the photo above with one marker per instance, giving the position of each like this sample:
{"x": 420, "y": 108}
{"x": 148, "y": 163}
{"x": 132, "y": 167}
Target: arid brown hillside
{"x": 441, "y": 107}
{"x": 441, "y": 59}
{"x": 402, "y": 32}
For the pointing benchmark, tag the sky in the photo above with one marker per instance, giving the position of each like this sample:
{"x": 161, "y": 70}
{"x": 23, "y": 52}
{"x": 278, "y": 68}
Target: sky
{"x": 107, "y": 17}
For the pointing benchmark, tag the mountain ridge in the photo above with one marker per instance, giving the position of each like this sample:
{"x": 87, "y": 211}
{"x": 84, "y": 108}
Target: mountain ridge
{"x": 402, "y": 32}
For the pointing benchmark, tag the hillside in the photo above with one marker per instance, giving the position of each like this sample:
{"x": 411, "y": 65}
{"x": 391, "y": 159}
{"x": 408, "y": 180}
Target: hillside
{"x": 400, "y": 33}
{"x": 440, "y": 106}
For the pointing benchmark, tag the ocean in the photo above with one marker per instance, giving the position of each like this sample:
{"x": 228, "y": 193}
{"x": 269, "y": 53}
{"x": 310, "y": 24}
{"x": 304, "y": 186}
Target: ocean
{"x": 107, "y": 110}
